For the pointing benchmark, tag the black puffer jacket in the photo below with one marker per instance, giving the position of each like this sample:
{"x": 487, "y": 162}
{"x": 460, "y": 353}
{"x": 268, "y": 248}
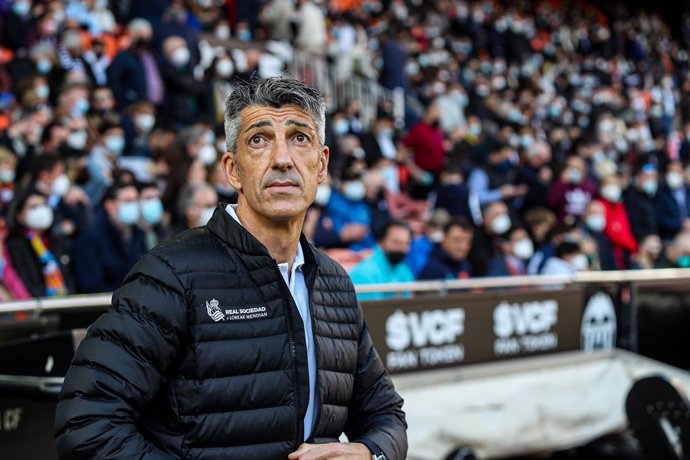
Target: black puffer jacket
{"x": 203, "y": 356}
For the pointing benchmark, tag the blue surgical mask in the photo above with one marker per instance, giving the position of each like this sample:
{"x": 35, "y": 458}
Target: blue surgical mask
{"x": 116, "y": 144}
{"x": 21, "y": 8}
{"x": 244, "y": 35}
{"x": 152, "y": 211}
{"x": 44, "y": 66}
{"x": 341, "y": 127}
{"x": 128, "y": 213}
{"x": 683, "y": 262}
{"x": 386, "y": 132}
{"x": 82, "y": 105}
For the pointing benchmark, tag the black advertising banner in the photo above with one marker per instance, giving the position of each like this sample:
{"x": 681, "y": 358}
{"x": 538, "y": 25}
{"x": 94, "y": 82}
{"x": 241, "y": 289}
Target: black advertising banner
{"x": 422, "y": 333}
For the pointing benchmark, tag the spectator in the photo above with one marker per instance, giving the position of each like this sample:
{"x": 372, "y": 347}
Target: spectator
{"x": 639, "y": 202}
{"x": 515, "y": 253}
{"x": 449, "y": 258}
{"x": 617, "y": 224}
{"x": 595, "y": 226}
{"x": 134, "y": 74}
{"x": 541, "y": 225}
{"x": 424, "y": 244}
{"x": 183, "y": 92}
{"x": 32, "y": 252}
{"x": 672, "y": 202}
{"x": 379, "y": 143}
{"x": 650, "y": 254}
{"x": 569, "y": 259}
{"x": 139, "y": 121}
{"x": 425, "y": 139}
{"x": 452, "y": 194}
{"x": 107, "y": 249}
{"x": 536, "y": 175}
{"x": 102, "y": 160}
{"x": 571, "y": 192}
{"x": 493, "y": 179}
{"x": 496, "y": 222}
{"x": 311, "y": 28}
{"x": 386, "y": 263}
{"x": 452, "y": 105}
{"x": 17, "y": 23}
{"x": 152, "y": 214}
{"x": 8, "y": 167}
{"x": 195, "y": 206}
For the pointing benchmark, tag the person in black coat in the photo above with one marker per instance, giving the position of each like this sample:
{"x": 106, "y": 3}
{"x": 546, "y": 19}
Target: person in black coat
{"x": 452, "y": 194}
{"x": 594, "y": 226}
{"x": 672, "y": 202}
{"x": 639, "y": 202}
{"x": 537, "y": 175}
{"x": 184, "y": 93}
{"x": 107, "y": 249}
{"x": 448, "y": 259}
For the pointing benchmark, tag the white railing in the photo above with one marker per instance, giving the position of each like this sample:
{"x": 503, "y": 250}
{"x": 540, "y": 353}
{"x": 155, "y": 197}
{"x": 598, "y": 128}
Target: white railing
{"x": 84, "y": 302}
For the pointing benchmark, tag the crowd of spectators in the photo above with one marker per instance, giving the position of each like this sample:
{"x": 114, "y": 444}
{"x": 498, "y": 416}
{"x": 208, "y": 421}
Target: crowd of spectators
{"x": 554, "y": 136}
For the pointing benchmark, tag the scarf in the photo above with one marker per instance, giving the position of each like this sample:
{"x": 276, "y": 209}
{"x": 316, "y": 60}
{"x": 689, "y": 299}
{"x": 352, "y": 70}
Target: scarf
{"x": 55, "y": 284}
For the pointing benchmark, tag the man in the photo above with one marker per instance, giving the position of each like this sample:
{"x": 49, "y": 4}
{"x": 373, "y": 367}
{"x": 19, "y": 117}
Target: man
{"x": 638, "y": 200}
{"x": 448, "y": 260}
{"x": 672, "y": 203}
{"x": 185, "y": 92}
{"x": 595, "y": 226}
{"x": 238, "y": 339}
{"x": 536, "y": 175}
{"x": 571, "y": 192}
{"x": 107, "y": 249}
{"x": 195, "y": 206}
{"x": 493, "y": 180}
{"x": 386, "y": 263}
{"x": 496, "y": 222}
{"x": 515, "y": 251}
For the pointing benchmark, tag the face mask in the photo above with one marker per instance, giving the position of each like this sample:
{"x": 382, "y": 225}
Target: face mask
{"x": 580, "y": 262}
{"x": 475, "y": 129}
{"x": 244, "y": 35}
{"x": 152, "y": 211}
{"x": 39, "y": 218}
{"x": 82, "y": 105}
{"x": 575, "y": 176}
{"x": 6, "y": 176}
{"x": 101, "y": 4}
{"x": 505, "y": 165}
{"x": 500, "y": 224}
{"x": 145, "y": 122}
{"x": 77, "y": 140}
{"x": 596, "y": 222}
{"x": 612, "y": 193}
{"x": 354, "y": 190}
{"x": 223, "y": 33}
{"x": 649, "y": 187}
{"x": 395, "y": 257}
{"x": 207, "y": 154}
{"x": 683, "y": 262}
{"x": 323, "y": 195}
{"x": 225, "y": 68}
{"x": 436, "y": 236}
{"x": 128, "y": 214}
{"x": 654, "y": 250}
{"x": 206, "y": 216}
{"x": 210, "y": 137}
{"x": 61, "y": 185}
{"x": 116, "y": 144}
{"x": 180, "y": 57}
{"x": 386, "y": 132}
{"x": 674, "y": 180}
{"x": 42, "y": 91}
{"x": 44, "y": 66}
{"x": 523, "y": 249}
{"x": 21, "y": 8}
{"x": 341, "y": 127}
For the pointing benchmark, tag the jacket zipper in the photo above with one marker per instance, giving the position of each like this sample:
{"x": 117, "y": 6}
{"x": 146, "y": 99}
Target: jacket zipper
{"x": 293, "y": 351}
{"x": 317, "y": 391}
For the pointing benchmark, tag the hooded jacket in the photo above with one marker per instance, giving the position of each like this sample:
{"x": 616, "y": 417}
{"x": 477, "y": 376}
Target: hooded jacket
{"x": 202, "y": 355}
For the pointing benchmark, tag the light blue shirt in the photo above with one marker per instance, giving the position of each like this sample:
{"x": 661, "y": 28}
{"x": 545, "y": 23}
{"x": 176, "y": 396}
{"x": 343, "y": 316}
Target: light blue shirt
{"x": 298, "y": 289}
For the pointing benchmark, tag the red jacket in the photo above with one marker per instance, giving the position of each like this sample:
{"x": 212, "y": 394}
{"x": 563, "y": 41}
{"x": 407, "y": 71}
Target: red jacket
{"x": 426, "y": 143}
{"x": 618, "y": 230}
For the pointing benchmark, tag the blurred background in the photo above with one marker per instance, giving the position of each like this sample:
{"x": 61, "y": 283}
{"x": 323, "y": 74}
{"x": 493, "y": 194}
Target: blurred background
{"x": 498, "y": 166}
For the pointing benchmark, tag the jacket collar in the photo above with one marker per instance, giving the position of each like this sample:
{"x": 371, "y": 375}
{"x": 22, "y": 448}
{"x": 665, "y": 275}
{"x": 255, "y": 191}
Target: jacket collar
{"x": 232, "y": 233}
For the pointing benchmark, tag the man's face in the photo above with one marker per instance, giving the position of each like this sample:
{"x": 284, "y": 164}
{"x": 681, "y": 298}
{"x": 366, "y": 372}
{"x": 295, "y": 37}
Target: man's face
{"x": 204, "y": 198}
{"x": 457, "y": 243}
{"x": 278, "y": 164}
{"x": 397, "y": 239}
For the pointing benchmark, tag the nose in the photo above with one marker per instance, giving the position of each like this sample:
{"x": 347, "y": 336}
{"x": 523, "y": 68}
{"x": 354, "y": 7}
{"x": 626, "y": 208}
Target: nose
{"x": 281, "y": 158}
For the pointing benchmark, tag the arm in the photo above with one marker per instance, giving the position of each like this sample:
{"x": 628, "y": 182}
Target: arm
{"x": 120, "y": 366}
{"x": 375, "y": 416}
{"x": 478, "y": 182}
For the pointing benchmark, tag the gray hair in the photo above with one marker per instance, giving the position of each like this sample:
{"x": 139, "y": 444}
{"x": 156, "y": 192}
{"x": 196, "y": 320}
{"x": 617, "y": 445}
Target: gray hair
{"x": 272, "y": 92}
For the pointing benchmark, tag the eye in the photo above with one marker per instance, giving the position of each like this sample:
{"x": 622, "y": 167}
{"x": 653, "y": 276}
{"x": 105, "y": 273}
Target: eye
{"x": 301, "y": 138}
{"x": 256, "y": 140}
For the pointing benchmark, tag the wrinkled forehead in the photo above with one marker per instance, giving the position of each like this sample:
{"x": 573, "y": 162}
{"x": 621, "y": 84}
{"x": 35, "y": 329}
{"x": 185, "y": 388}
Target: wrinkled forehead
{"x": 261, "y": 116}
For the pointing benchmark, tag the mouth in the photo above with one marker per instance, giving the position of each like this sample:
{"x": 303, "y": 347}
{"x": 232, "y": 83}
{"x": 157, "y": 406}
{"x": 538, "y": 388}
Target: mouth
{"x": 282, "y": 186}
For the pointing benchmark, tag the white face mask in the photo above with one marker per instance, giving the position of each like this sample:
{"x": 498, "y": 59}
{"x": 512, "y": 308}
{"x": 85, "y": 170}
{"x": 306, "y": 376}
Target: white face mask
{"x": 207, "y": 154}
{"x": 596, "y": 222}
{"x": 42, "y": 91}
{"x": 180, "y": 57}
{"x": 145, "y": 122}
{"x": 580, "y": 262}
{"x": 611, "y": 192}
{"x": 39, "y": 218}
{"x": 354, "y": 190}
{"x": 116, "y": 144}
{"x": 7, "y": 176}
{"x": 323, "y": 195}
{"x": 674, "y": 180}
{"x": 61, "y": 185}
{"x": 225, "y": 68}
{"x": 523, "y": 249}
{"x": 223, "y": 33}
{"x": 205, "y": 216}
{"x": 77, "y": 140}
{"x": 500, "y": 224}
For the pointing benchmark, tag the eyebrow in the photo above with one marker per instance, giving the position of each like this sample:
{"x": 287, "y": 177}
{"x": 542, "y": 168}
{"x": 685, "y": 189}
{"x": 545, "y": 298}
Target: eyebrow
{"x": 298, "y": 123}
{"x": 259, "y": 124}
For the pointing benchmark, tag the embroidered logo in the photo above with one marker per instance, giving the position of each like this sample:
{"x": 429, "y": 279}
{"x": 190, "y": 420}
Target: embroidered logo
{"x": 214, "y": 311}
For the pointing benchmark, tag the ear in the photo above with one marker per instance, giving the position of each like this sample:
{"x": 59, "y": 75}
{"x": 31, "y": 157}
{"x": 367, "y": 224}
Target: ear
{"x": 231, "y": 171}
{"x": 323, "y": 165}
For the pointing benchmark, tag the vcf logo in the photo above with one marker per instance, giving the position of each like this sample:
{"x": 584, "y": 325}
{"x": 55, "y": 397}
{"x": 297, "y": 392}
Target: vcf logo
{"x": 213, "y": 311}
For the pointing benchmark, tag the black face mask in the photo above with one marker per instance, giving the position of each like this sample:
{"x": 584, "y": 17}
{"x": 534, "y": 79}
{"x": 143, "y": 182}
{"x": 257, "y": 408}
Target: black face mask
{"x": 142, "y": 44}
{"x": 436, "y": 123}
{"x": 395, "y": 257}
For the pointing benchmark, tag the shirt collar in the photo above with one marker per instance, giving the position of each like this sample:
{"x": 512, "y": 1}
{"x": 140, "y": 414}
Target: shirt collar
{"x": 297, "y": 262}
